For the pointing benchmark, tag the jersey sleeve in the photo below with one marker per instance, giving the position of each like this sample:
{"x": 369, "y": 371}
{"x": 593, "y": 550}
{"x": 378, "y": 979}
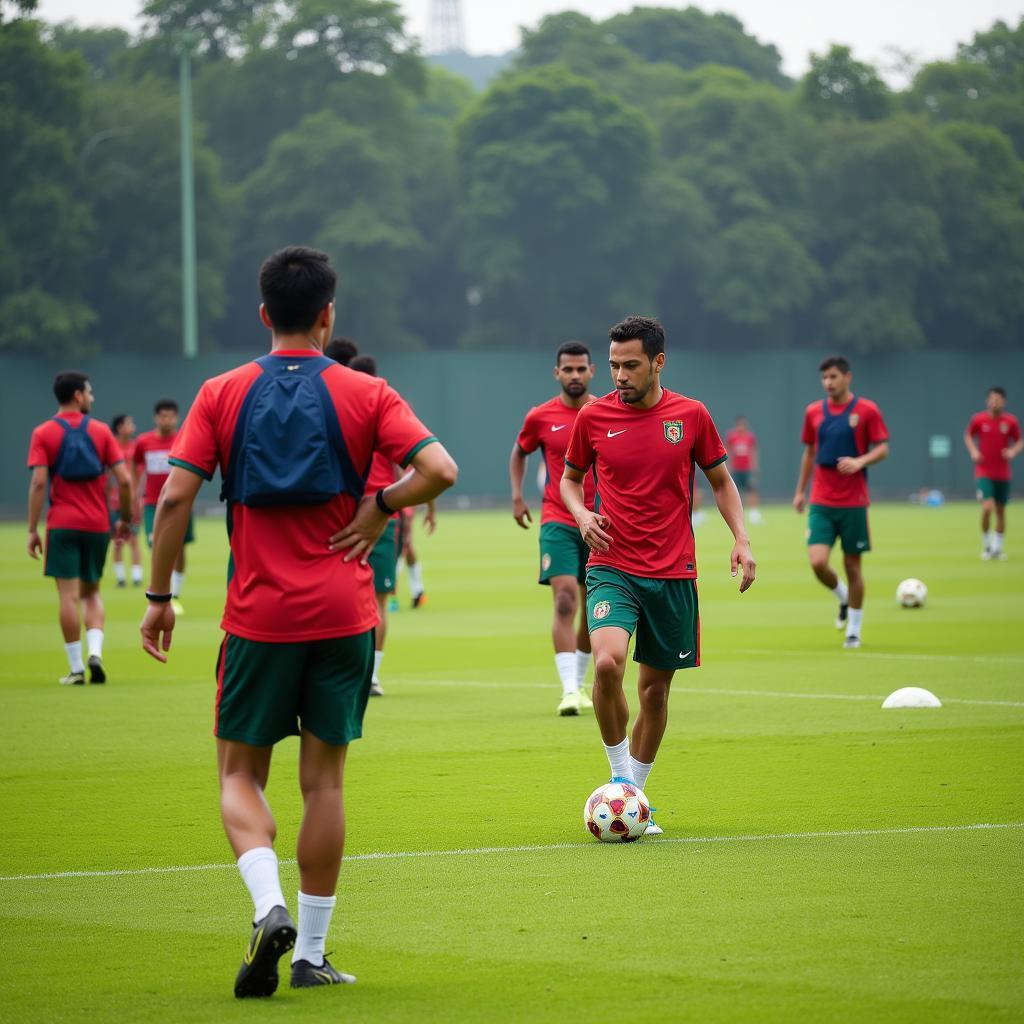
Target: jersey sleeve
{"x": 139, "y": 452}
{"x": 809, "y": 435}
{"x": 400, "y": 434}
{"x": 708, "y": 450}
{"x": 37, "y": 452}
{"x": 877, "y": 430}
{"x": 580, "y": 453}
{"x": 528, "y": 440}
{"x": 109, "y": 450}
{"x": 195, "y": 447}
{"x": 1013, "y": 434}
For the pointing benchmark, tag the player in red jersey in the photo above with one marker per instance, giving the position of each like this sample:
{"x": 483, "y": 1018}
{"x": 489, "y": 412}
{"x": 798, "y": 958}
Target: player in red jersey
{"x": 151, "y": 468}
{"x": 69, "y": 456}
{"x": 993, "y": 439}
{"x": 646, "y": 443}
{"x": 741, "y": 443}
{"x": 300, "y": 613}
{"x": 563, "y": 555}
{"x": 123, "y": 427}
{"x": 843, "y": 434}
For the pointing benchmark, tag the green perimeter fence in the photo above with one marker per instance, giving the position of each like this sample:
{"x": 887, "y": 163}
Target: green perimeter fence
{"x": 475, "y": 402}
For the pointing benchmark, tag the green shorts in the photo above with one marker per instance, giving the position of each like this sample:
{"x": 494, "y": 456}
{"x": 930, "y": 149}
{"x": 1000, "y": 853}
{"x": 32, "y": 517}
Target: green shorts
{"x": 826, "y": 523}
{"x": 563, "y": 552}
{"x": 75, "y": 555}
{"x": 746, "y": 479}
{"x": 268, "y": 691}
{"x": 384, "y": 560}
{"x": 115, "y": 518}
{"x": 993, "y": 490}
{"x": 662, "y": 613}
{"x": 149, "y": 514}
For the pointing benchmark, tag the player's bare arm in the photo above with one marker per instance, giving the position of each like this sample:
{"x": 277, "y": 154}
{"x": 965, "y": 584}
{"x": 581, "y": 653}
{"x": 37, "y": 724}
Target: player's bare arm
{"x": 516, "y": 472}
{"x": 36, "y": 498}
{"x": 592, "y": 524}
{"x": 169, "y": 526}
{"x": 806, "y": 468}
{"x": 727, "y": 498}
{"x": 848, "y": 465}
{"x": 432, "y": 472}
{"x": 1013, "y": 451}
{"x": 430, "y": 517}
{"x": 972, "y": 449}
{"x": 125, "y": 500}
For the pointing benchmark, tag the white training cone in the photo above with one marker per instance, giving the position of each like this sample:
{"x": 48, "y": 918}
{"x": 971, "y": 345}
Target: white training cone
{"x": 912, "y": 697}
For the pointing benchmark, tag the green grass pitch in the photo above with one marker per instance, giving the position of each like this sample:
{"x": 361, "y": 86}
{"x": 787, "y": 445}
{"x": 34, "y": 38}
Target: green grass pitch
{"x": 822, "y": 859}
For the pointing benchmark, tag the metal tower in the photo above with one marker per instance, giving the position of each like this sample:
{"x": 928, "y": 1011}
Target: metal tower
{"x": 444, "y": 33}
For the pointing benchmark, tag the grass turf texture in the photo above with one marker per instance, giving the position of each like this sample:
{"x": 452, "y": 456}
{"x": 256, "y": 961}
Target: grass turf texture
{"x": 466, "y": 751}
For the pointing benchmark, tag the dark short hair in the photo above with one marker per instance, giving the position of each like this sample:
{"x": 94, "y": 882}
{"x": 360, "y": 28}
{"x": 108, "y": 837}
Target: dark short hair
{"x": 341, "y": 350}
{"x": 115, "y": 423}
{"x": 841, "y": 363}
{"x": 646, "y": 328}
{"x": 165, "y": 403}
{"x": 66, "y": 383}
{"x": 997, "y": 391}
{"x": 364, "y": 364}
{"x": 571, "y": 348}
{"x": 295, "y": 284}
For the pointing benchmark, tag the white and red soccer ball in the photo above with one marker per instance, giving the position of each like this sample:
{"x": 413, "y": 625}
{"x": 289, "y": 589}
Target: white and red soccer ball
{"x": 617, "y": 812}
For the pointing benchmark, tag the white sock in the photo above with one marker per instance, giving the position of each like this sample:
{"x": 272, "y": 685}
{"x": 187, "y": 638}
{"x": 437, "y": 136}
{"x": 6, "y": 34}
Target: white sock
{"x": 314, "y": 920}
{"x": 986, "y": 539}
{"x": 378, "y": 657}
{"x": 74, "y": 653}
{"x": 618, "y": 760}
{"x": 582, "y": 661}
{"x": 136, "y": 574}
{"x": 841, "y": 593}
{"x": 119, "y": 573}
{"x": 259, "y": 872}
{"x": 565, "y": 662}
{"x": 177, "y": 581}
{"x": 640, "y": 771}
{"x": 997, "y": 542}
{"x": 755, "y": 516}
{"x": 94, "y": 642}
{"x": 853, "y": 621}
{"x": 416, "y": 579}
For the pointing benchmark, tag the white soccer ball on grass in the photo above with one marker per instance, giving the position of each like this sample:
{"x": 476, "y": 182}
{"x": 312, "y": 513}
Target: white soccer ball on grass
{"x": 912, "y": 594}
{"x": 617, "y": 812}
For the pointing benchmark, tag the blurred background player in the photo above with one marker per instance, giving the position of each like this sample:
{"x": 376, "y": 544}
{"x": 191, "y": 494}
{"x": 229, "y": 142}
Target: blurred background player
{"x": 741, "y": 443}
{"x": 69, "y": 456}
{"x": 563, "y": 554}
{"x": 409, "y": 555}
{"x": 993, "y": 439}
{"x": 341, "y": 350}
{"x": 843, "y": 434}
{"x": 646, "y": 443}
{"x": 150, "y": 463}
{"x": 123, "y": 427}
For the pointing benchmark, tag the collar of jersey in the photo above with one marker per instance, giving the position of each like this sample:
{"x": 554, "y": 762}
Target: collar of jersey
{"x": 292, "y": 353}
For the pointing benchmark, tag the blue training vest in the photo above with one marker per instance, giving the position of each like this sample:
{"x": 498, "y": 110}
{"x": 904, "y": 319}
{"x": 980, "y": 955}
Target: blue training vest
{"x": 835, "y": 436}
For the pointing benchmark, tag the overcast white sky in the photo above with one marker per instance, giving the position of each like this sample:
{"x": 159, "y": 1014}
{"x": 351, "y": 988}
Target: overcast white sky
{"x": 929, "y": 29}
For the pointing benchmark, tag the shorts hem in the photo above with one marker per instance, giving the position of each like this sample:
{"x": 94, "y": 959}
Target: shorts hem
{"x": 334, "y": 742}
{"x": 223, "y": 734}
{"x": 605, "y": 625}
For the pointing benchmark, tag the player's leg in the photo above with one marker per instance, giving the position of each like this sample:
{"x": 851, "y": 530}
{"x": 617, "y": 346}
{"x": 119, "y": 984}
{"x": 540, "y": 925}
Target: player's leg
{"x": 69, "y": 603}
{"x": 855, "y": 580}
{"x": 120, "y": 571}
{"x": 752, "y": 500}
{"x": 417, "y": 589}
{"x": 988, "y": 505}
{"x": 381, "y": 635}
{"x": 1001, "y": 495}
{"x": 93, "y": 556}
{"x": 136, "y": 550}
{"x": 822, "y": 531}
{"x": 583, "y": 648}
{"x": 565, "y": 600}
{"x": 384, "y": 563}
{"x": 651, "y": 720}
{"x": 178, "y": 573}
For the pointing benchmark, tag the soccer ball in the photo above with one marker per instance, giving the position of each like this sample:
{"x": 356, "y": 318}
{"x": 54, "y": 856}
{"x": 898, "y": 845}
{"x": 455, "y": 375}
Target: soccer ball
{"x": 617, "y": 812}
{"x": 912, "y": 593}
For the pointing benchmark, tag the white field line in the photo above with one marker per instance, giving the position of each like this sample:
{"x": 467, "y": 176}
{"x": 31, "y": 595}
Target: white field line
{"x": 487, "y": 850}
{"x": 985, "y": 659}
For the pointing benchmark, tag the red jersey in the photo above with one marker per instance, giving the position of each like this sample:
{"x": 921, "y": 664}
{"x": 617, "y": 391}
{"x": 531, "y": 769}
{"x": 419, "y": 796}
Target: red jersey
{"x": 113, "y": 491}
{"x": 742, "y": 445}
{"x": 992, "y": 434}
{"x": 75, "y": 504}
{"x": 828, "y": 485}
{"x": 645, "y": 462}
{"x": 152, "y": 452}
{"x": 549, "y": 427}
{"x": 285, "y": 585}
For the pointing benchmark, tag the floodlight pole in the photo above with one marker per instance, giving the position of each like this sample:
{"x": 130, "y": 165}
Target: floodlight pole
{"x": 190, "y": 319}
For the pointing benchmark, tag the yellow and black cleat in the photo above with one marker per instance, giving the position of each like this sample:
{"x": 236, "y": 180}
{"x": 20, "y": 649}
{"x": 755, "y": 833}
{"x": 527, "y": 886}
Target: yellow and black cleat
{"x": 271, "y": 939}
{"x": 306, "y": 975}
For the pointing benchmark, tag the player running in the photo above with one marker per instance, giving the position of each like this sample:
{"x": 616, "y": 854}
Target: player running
{"x": 287, "y": 433}
{"x": 741, "y": 443}
{"x": 69, "y": 456}
{"x": 843, "y": 434}
{"x": 150, "y": 462}
{"x": 646, "y": 442}
{"x": 993, "y": 439}
{"x": 563, "y": 555}
{"x": 123, "y": 427}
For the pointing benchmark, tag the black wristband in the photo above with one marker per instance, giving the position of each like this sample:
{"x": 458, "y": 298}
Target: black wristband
{"x": 383, "y": 505}
{"x": 158, "y": 598}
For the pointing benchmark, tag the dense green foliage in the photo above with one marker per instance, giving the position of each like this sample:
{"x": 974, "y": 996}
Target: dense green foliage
{"x": 657, "y": 161}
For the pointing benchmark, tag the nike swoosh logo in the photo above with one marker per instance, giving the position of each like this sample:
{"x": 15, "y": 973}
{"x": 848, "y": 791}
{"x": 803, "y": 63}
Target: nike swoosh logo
{"x": 686, "y": 655}
{"x": 562, "y": 427}
{"x": 617, "y": 432}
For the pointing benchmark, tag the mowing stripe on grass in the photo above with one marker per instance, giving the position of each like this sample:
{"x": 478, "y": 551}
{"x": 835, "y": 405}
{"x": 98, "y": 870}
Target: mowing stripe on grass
{"x": 484, "y": 850}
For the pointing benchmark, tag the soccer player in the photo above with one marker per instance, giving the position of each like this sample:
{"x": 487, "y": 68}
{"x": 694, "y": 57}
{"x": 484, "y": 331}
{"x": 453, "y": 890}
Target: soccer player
{"x": 843, "y": 434}
{"x": 150, "y": 462}
{"x": 993, "y": 439}
{"x": 69, "y": 456}
{"x": 563, "y": 555}
{"x": 417, "y": 590}
{"x": 646, "y": 443}
{"x": 341, "y": 350}
{"x": 741, "y": 443}
{"x": 123, "y": 427}
{"x": 298, "y": 652}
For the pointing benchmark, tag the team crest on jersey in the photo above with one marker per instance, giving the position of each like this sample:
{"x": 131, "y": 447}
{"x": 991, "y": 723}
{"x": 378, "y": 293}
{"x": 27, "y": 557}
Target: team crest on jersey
{"x": 545, "y": 562}
{"x": 854, "y": 419}
{"x": 1004, "y": 428}
{"x": 673, "y": 430}
{"x": 601, "y": 609}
